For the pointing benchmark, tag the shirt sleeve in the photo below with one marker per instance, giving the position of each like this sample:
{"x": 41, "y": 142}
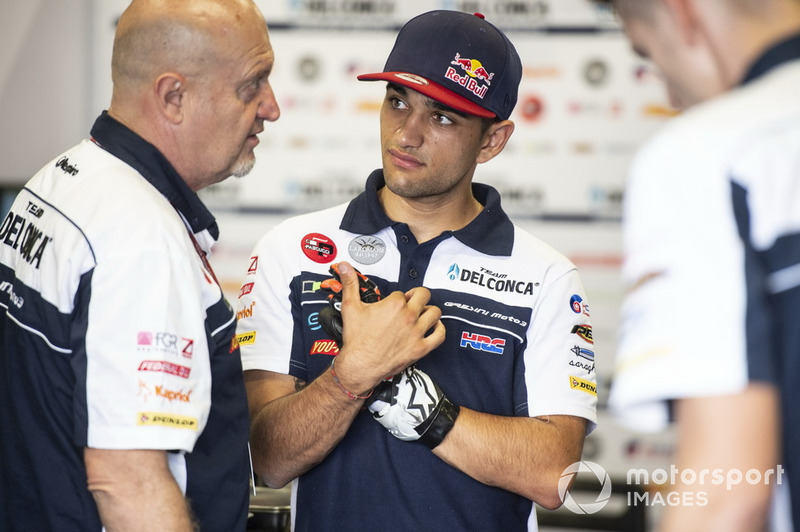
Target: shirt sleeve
{"x": 560, "y": 357}
{"x": 147, "y": 364}
{"x": 266, "y": 317}
{"x": 682, "y": 324}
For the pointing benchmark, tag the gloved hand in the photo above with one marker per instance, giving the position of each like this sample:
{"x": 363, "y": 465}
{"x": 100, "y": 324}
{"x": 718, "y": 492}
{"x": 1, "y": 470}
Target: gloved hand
{"x": 330, "y": 317}
{"x": 412, "y": 407}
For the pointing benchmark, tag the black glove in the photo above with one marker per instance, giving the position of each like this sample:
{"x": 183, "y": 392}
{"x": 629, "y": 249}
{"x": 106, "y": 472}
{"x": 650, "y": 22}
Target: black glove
{"x": 412, "y": 407}
{"x": 330, "y": 317}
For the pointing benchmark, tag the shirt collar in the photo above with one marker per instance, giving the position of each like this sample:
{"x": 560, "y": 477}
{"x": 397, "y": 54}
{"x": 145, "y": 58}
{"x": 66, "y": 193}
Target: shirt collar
{"x": 491, "y": 232}
{"x": 126, "y": 145}
{"x": 782, "y": 52}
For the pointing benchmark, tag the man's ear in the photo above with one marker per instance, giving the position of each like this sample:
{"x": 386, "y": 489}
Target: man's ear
{"x": 494, "y": 140}
{"x": 169, "y": 90}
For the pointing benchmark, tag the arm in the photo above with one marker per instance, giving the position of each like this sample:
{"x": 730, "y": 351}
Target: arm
{"x": 134, "y": 490}
{"x": 294, "y": 426}
{"x": 293, "y": 430}
{"x": 735, "y": 432}
{"x": 519, "y": 454}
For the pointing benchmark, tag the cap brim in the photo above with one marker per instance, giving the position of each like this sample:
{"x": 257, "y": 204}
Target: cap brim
{"x": 431, "y": 90}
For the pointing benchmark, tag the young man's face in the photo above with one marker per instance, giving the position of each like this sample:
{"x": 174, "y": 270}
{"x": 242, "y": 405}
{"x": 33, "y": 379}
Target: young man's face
{"x": 429, "y": 151}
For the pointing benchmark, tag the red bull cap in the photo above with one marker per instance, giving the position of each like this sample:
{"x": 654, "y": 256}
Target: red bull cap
{"x": 459, "y": 60}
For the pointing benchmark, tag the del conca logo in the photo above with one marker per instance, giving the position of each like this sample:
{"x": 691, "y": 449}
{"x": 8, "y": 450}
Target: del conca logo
{"x": 499, "y": 282}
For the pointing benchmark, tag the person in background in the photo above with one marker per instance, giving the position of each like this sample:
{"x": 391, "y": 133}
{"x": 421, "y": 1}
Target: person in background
{"x": 712, "y": 249}
{"x": 483, "y": 330}
{"x": 123, "y": 403}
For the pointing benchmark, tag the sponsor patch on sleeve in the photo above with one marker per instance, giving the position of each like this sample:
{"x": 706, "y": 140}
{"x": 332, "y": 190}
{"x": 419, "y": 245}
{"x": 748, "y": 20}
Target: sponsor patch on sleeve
{"x": 318, "y": 248}
{"x": 167, "y": 420}
{"x": 576, "y": 383}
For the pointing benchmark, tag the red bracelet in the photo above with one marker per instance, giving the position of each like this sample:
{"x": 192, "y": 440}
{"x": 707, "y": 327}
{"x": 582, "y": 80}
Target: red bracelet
{"x": 349, "y": 394}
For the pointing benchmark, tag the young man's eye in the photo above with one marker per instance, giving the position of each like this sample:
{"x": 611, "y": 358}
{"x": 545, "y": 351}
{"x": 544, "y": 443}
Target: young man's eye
{"x": 442, "y": 119}
{"x": 397, "y": 103}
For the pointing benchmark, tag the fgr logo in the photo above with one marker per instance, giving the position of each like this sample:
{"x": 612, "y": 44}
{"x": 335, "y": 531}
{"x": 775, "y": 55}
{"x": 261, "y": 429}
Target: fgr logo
{"x": 586, "y": 508}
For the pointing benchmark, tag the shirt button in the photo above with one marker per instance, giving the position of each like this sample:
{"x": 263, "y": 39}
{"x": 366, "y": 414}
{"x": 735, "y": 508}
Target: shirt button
{"x": 413, "y": 273}
{"x": 404, "y": 239}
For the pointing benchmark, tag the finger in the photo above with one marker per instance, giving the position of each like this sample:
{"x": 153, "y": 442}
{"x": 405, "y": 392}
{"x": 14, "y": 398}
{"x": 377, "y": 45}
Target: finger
{"x": 430, "y": 315}
{"x": 435, "y": 336}
{"x": 418, "y": 296}
{"x": 349, "y": 279}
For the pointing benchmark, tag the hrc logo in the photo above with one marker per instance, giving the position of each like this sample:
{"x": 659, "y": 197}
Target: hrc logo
{"x": 483, "y": 343}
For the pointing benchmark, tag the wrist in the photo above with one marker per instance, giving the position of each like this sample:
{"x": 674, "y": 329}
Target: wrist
{"x": 344, "y": 389}
{"x": 441, "y": 424}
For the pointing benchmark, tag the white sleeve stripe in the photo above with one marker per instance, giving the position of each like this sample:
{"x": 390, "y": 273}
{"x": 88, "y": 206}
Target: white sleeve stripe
{"x": 38, "y": 333}
{"x": 784, "y": 280}
{"x": 223, "y": 326}
{"x": 482, "y": 326}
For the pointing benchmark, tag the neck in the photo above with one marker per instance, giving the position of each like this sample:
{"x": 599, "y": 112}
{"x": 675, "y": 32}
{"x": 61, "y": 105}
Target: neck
{"x": 427, "y": 218}
{"x": 737, "y": 50}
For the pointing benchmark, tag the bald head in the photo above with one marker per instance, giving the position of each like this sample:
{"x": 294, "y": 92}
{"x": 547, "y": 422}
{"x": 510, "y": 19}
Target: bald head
{"x": 191, "y": 78}
{"x": 156, "y": 36}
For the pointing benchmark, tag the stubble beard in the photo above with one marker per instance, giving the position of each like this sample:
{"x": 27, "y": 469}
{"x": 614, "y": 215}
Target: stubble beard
{"x": 244, "y": 166}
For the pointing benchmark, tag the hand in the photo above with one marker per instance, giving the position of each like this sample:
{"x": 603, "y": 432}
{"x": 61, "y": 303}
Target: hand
{"x": 330, "y": 317}
{"x": 380, "y": 339}
{"x": 411, "y": 406}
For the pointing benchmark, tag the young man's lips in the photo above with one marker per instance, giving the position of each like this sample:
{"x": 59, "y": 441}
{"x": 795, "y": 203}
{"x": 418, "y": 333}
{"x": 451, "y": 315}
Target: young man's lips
{"x": 404, "y": 160}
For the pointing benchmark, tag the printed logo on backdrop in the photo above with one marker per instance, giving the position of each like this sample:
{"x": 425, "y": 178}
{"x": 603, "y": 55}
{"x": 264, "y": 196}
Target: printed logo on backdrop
{"x": 569, "y": 474}
{"x": 367, "y": 249}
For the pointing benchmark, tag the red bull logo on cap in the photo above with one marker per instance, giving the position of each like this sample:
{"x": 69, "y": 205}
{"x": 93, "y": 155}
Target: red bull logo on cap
{"x": 475, "y": 72}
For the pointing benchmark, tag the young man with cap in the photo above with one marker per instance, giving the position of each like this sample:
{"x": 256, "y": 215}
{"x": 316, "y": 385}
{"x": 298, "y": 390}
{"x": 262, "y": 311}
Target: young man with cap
{"x": 483, "y": 330}
{"x": 709, "y": 337}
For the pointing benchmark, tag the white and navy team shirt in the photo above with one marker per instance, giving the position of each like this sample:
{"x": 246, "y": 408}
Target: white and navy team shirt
{"x": 518, "y": 343}
{"x": 114, "y": 335}
{"x": 712, "y": 254}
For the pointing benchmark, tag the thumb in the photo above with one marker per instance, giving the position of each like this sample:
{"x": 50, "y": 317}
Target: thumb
{"x": 349, "y": 279}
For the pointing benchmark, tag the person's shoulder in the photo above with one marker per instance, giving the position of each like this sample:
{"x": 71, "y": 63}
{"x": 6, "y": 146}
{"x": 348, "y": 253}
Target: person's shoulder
{"x": 717, "y": 126}
{"x": 530, "y": 247}
{"x": 324, "y": 223}
{"x": 93, "y": 188}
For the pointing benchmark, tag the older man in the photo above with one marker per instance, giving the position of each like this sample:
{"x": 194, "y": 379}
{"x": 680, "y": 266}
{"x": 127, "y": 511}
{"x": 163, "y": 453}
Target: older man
{"x": 123, "y": 404}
